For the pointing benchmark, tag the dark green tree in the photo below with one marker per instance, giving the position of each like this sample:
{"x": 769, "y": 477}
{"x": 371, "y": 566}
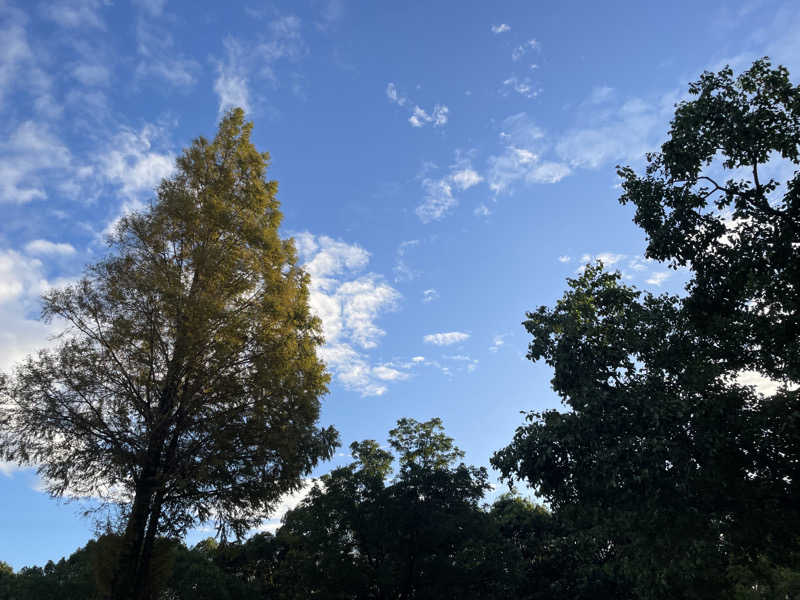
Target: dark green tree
{"x": 186, "y": 387}
{"x": 677, "y": 479}
{"x": 420, "y": 534}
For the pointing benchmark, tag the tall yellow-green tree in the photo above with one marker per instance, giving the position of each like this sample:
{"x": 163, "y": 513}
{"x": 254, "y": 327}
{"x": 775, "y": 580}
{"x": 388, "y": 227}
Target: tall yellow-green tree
{"x": 186, "y": 386}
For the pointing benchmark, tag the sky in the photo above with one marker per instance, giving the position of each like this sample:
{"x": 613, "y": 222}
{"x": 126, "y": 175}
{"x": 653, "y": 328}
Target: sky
{"x": 443, "y": 168}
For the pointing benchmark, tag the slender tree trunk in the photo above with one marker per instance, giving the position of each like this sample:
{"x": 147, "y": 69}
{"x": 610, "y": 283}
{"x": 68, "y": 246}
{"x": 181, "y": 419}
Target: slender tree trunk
{"x": 128, "y": 569}
{"x": 143, "y": 585}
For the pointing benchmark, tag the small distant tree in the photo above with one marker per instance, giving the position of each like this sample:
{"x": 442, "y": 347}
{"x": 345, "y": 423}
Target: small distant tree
{"x": 186, "y": 385}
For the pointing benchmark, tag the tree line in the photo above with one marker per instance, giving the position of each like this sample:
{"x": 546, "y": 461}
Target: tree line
{"x": 186, "y": 390}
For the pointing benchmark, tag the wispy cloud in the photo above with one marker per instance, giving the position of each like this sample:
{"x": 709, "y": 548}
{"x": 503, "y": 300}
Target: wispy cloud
{"x": 624, "y": 132}
{"x": 429, "y": 295}
{"x": 246, "y": 60}
{"x": 74, "y": 13}
{"x": 402, "y": 271}
{"x": 439, "y": 199}
{"x": 30, "y": 153}
{"x": 524, "y": 48}
{"x": 501, "y": 28}
{"x": 231, "y": 83}
{"x": 497, "y": 342}
{"x": 419, "y": 117}
{"x": 465, "y": 178}
{"x": 48, "y": 248}
{"x": 394, "y": 95}
{"x": 445, "y": 339}
{"x": 158, "y": 57}
{"x": 658, "y": 277}
{"x": 521, "y": 159}
{"x": 133, "y": 163}
{"x": 522, "y": 86}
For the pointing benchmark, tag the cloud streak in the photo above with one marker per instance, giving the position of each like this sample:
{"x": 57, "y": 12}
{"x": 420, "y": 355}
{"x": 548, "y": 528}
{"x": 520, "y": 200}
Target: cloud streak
{"x": 445, "y": 339}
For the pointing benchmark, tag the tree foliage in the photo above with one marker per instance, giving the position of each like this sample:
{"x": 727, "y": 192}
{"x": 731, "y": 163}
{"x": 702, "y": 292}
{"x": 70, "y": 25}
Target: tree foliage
{"x": 187, "y": 382}
{"x": 684, "y": 481}
{"x": 421, "y": 534}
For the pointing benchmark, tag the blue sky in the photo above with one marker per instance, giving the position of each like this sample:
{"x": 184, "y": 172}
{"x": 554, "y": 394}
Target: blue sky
{"x": 443, "y": 167}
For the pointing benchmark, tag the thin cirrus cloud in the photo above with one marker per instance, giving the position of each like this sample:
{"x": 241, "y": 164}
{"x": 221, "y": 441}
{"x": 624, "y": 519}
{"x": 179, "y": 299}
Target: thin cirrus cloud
{"x": 438, "y": 193}
{"x": 521, "y": 85}
{"x": 501, "y": 28}
{"x": 632, "y": 267}
{"x": 74, "y": 14}
{"x": 445, "y": 339}
{"x": 429, "y": 295}
{"x": 523, "y": 49}
{"x": 31, "y": 154}
{"x": 521, "y": 160}
{"x": 419, "y": 117}
{"x": 48, "y": 248}
{"x": 612, "y": 130}
{"x": 248, "y": 60}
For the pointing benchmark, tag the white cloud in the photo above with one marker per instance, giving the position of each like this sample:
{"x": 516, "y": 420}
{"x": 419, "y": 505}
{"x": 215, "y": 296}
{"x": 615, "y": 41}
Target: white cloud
{"x": 385, "y": 373}
{"x": 440, "y": 113}
{"x": 74, "y": 13}
{"x": 419, "y": 116}
{"x": 47, "y": 247}
{"x": 609, "y": 258}
{"x": 658, "y": 278}
{"x": 762, "y": 384}
{"x": 468, "y": 363}
{"x": 521, "y": 158}
{"x": 15, "y": 54}
{"x": 349, "y": 304}
{"x": 158, "y": 58}
{"x": 22, "y": 281}
{"x": 31, "y": 151}
{"x": 429, "y": 295}
{"x": 283, "y": 40}
{"x": 394, "y": 95}
{"x": 438, "y": 200}
{"x": 564, "y": 259}
{"x": 502, "y": 28}
{"x": 361, "y": 301}
{"x": 465, "y": 178}
{"x": 132, "y": 163}
{"x": 8, "y": 469}
{"x": 497, "y": 343}
{"x": 231, "y": 83}
{"x": 600, "y": 94}
{"x": 402, "y": 271}
{"x": 523, "y": 87}
{"x": 624, "y": 133}
{"x": 418, "y": 359}
{"x": 481, "y": 210}
{"x": 91, "y": 74}
{"x": 445, "y": 339}
{"x": 523, "y": 49}
{"x": 154, "y": 7}
{"x": 286, "y": 503}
